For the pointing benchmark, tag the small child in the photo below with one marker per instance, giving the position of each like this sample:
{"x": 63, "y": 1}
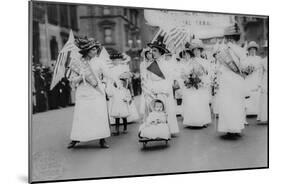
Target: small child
{"x": 120, "y": 100}
{"x": 155, "y": 125}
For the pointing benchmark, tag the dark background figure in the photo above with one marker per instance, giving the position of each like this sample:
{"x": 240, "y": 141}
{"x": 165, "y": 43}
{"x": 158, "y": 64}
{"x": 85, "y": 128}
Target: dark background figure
{"x": 136, "y": 84}
{"x": 63, "y": 90}
{"x": 40, "y": 86}
{"x": 51, "y": 94}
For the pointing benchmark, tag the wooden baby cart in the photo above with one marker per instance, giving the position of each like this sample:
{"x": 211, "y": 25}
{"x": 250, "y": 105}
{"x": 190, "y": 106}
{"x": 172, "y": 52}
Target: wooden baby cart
{"x": 145, "y": 140}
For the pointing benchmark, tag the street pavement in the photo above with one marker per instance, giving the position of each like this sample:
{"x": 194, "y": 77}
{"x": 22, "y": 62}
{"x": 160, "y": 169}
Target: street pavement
{"x": 192, "y": 150}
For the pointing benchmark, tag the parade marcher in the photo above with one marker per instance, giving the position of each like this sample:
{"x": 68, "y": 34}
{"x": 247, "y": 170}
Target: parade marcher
{"x": 231, "y": 93}
{"x": 120, "y": 98}
{"x": 195, "y": 88}
{"x": 145, "y": 97}
{"x": 40, "y": 88}
{"x": 214, "y": 84}
{"x": 160, "y": 80}
{"x": 90, "y": 120}
{"x": 253, "y": 73}
{"x": 263, "y": 99}
{"x": 121, "y": 70}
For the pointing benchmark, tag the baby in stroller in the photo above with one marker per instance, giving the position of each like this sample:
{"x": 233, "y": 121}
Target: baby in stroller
{"x": 155, "y": 127}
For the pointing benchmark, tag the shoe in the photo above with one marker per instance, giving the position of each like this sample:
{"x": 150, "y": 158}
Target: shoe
{"x": 103, "y": 144}
{"x": 116, "y": 133}
{"x": 125, "y": 131}
{"x": 72, "y": 144}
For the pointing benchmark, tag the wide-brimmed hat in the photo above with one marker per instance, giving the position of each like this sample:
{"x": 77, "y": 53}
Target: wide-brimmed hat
{"x": 86, "y": 44}
{"x": 196, "y": 44}
{"x": 232, "y": 30}
{"x": 253, "y": 44}
{"x": 159, "y": 45}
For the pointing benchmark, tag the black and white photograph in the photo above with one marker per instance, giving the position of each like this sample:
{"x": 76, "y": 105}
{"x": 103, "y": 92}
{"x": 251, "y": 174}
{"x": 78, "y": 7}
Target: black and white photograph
{"x": 118, "y": 91}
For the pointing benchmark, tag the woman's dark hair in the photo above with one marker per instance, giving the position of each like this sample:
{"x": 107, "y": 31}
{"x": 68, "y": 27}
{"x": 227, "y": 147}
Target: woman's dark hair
{"x": 162, "y": 51}
{"x": 188, "y": 52}
{"x": 84, "y": 53}
{"x": 145, "y": 54}
{"x": 159, "y": 101}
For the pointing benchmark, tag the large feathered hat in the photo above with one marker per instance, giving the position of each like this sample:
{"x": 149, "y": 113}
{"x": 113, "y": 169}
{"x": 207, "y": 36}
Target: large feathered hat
{"x": 86, "y": 44}
{"x": 158, "y": 43}
{"x": 253, "y": 44}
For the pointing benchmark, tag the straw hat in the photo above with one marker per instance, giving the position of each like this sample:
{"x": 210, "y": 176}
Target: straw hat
{"x": 253, "y": 44}
{"x": 197, "y": 44}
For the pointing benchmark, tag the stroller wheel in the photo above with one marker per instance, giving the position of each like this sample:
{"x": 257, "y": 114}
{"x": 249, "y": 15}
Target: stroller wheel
{"x": 144, "y": 145}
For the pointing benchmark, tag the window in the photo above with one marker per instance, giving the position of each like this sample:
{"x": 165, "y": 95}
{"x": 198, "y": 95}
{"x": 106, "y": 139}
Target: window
{"x": 54, "y": 48}
{"x": 125, "y": 12}
{"x": 136, "y": 18}
{"x": 36, "y": 43}
{"x": 106, "y": 11}
{"x": 64, "y": 16}
{"x": 108, "y": 35}
{"x": 52, "y": 14}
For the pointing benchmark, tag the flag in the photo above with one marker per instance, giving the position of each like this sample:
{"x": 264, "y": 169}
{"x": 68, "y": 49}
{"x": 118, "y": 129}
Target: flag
{"x": 69, "y": 50}
{"x": 154, "y": 68}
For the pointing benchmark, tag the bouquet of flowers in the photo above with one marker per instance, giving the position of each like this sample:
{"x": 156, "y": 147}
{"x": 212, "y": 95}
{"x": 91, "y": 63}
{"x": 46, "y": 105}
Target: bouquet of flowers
{"x": 248, "y": 70}
{"x": 193, "y": 79}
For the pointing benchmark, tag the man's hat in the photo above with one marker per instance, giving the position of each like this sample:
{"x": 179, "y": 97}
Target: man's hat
{"x": 253, "y": 44}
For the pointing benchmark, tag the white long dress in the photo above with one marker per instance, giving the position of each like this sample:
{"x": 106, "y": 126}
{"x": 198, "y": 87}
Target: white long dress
{"x": 144, "y": 99}
{"x": 160, "y": 85}
{"x": 231, "y": 101}
{"x": 263, "y": 103}
{"x": 196, "y": 109}
{"x": 90, "y": 121}
{"x": 120, "y": 97}
{"x": 253, "y": 81}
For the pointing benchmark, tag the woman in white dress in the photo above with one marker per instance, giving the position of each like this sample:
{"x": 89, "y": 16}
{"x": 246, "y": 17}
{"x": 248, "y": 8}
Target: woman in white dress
{"x": 145, "y": 99}
{"x": 263, "y": 103}
{"x": 231, "y": 93}
{"x": 160, "y": 80}
{"x": 253, "y": 79}
{"x": 90, "y": 121}
{"x": 196, "y": 100}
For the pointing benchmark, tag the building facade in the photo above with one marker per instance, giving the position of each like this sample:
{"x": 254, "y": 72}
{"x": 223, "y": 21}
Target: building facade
{"x": 117, "y": 28}
{"x": 51, "y": 24}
